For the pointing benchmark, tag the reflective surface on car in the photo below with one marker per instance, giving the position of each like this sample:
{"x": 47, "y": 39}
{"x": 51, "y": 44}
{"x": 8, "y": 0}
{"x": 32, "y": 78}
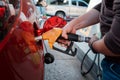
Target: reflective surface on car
{"x": 11, "y": 11}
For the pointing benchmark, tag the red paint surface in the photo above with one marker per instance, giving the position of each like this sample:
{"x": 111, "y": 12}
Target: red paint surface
{"x": 21, "y": 57}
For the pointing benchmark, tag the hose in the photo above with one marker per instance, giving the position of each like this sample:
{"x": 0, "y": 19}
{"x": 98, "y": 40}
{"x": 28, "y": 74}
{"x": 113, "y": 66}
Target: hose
{"x": 84, "y": 73}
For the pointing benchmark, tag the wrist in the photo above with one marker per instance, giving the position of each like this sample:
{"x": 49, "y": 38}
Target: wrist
{"x": 91, "y": 45}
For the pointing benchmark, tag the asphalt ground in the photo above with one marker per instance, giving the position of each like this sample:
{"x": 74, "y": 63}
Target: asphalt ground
{"x": 64, "y": 67}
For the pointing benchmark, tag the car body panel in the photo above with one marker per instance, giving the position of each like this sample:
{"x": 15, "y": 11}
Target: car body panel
{"x": 21, "y": 58}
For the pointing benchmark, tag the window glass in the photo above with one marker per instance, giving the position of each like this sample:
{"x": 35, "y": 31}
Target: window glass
{"x": 82, "y": 4}
{"x": 74, "y": 3}
{"x": 59, "y": 2}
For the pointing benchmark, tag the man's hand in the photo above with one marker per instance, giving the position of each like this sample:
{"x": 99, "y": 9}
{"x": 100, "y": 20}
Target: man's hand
{"x": 91, "y": 42}
{"x": 93, "y": 38}
{"x": 63, "y": 42}
{"x": 67, "y": 29}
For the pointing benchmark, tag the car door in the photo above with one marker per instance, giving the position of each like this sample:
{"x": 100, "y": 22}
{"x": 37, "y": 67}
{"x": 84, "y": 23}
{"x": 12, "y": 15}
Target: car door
{"x": 73, "y": 7}
{"x": 81, "y": 7}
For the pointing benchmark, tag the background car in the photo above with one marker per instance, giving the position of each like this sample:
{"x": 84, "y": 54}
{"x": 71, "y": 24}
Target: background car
{"x": 66, "y": 8}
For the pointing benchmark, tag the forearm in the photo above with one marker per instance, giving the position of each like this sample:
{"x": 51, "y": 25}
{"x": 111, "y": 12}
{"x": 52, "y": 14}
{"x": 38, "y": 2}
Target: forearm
{"x": 89, "y": 18}
{"x": 100, "y": 47}
{"x": 110, "y": 43}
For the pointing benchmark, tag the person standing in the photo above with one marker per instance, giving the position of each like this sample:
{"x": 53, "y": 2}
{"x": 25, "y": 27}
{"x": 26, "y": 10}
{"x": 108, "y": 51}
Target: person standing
{"x": 41, "y": 5}
{"x": 107, "y": 13}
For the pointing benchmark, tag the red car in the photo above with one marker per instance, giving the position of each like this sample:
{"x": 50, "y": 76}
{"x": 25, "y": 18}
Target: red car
{"x": 21, "y": 57}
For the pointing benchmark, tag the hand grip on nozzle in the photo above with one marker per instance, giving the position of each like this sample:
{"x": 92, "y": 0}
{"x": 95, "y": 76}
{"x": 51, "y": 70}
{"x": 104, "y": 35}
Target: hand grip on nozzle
{"x": 77, "y": 38}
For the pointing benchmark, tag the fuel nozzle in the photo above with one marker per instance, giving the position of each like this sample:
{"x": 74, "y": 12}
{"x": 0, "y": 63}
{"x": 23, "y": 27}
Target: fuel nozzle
{"x": 73, "y": 38}
{"x": 76, "y": 38}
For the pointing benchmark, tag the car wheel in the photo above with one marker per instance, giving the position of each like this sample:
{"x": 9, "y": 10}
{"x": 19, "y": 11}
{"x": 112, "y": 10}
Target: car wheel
{"x": 49, "y": 58}
{"x": 60, "y": 14}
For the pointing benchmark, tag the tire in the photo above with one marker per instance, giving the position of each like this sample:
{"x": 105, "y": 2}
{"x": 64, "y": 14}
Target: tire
{"x": 60, "y": 14}
{"x": 49, "y": 58}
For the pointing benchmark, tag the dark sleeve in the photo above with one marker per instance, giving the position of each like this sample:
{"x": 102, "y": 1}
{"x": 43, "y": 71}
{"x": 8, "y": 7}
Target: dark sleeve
{"x": 98, "y": 7}
{"x": 112, "y": 39}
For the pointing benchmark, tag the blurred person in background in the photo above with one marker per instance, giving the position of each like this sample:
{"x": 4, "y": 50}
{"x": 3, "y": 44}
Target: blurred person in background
{"x": 41, "y": 6}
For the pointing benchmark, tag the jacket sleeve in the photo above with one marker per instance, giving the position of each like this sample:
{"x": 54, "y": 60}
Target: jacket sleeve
{"x": 98, "y": 7}
{"x": 112, "y": 39}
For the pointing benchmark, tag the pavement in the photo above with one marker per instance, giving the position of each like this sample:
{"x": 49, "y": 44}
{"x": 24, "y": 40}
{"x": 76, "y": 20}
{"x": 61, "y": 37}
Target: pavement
{"x": 64, "y": 67}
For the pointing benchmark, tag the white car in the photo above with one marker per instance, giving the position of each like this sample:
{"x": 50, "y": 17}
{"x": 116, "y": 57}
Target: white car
{"x": 66, "y": 8}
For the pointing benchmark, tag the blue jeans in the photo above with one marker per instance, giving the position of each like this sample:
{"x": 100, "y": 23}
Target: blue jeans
{"x": 110, "y": 71}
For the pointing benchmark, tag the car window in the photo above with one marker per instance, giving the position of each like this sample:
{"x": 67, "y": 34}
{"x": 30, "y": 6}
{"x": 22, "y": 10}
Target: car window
{"x": 82, "y": 4}
{"x": 74, "y": 3}
{"x": 58, "y": 2}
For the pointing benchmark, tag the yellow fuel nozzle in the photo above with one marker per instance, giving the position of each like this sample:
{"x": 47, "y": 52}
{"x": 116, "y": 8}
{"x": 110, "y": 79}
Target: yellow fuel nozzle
{"x": 52, "y": 36}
